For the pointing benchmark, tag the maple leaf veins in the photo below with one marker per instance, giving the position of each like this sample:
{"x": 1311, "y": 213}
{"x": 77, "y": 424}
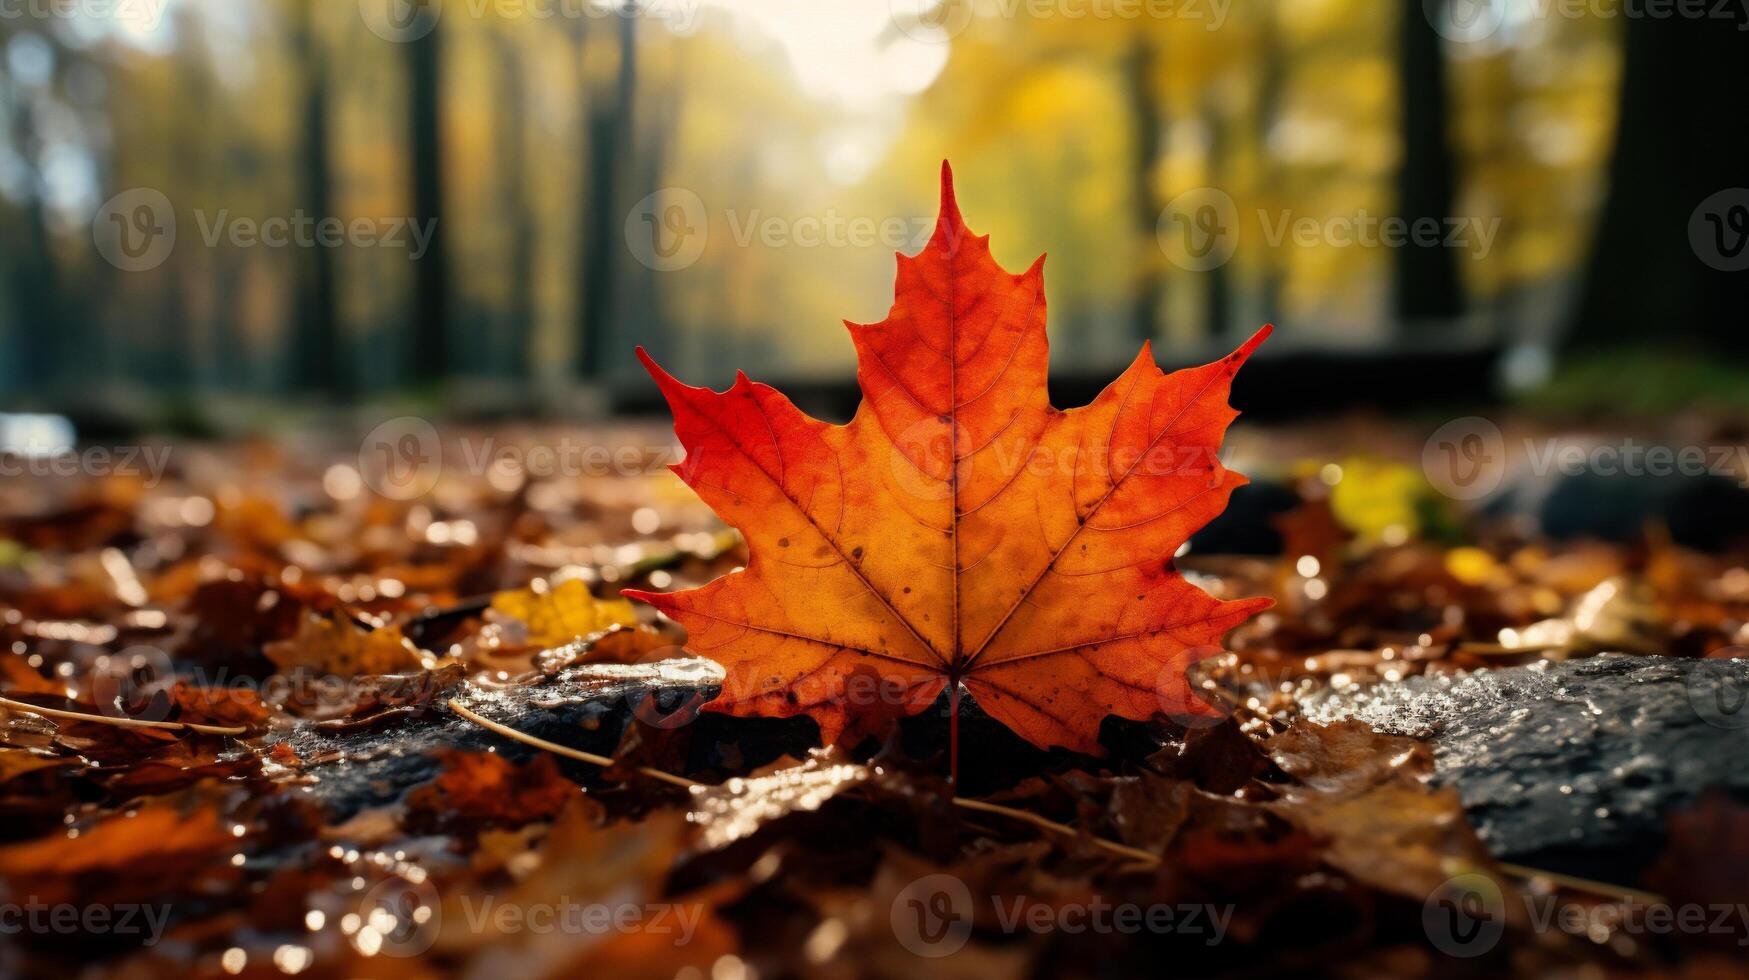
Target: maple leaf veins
{"x": 960, "y": 529}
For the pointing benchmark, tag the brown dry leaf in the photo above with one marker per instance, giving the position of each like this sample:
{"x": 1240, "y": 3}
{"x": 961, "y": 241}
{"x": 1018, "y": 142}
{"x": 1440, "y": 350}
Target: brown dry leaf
{"x": 164, "y": 841}
{"x": 739, "y": 807}
{"x": 223, "y": 706}
{"x": 17, "y": 762}
{"x": 617, "y": 644}
{"x": 1366, "y": 794}
{"x": 483, "y": 789}
{"x": 395, "y": 697}
{"x": 17, "y": 676}
{"x": 335, "y": 646}
{"x": 581, "y": 868}
{"x": 1706, "y": 863}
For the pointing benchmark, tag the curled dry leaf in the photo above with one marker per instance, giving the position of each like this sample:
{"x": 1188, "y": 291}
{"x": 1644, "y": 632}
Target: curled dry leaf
{"x": 739, "y": 807}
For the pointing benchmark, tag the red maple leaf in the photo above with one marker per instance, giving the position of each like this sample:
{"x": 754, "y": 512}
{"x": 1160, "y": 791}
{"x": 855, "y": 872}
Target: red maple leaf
{"x": 960, "y": 530}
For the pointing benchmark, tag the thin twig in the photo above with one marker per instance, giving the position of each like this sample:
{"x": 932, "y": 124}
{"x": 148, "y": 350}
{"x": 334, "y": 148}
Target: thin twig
{"x": 58, "y": 713}
{"x": 1135, "y": 854}
{"x": 1585, "y": 884}
{"x": 564, "y": 750}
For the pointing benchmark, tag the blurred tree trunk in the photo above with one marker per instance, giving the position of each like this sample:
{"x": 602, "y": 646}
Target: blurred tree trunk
{"x": 1150, "y": 139}
{"x": 35, "y": 295}
{"x": 317, "y": 351}
{"x": 430, "y": 341}
{"x": 512, "y": 138}
{"x": 1271, "y": 86}
{"x": 1682, "y": 138}
{"x": 610, "y": 152}
{"x": 1427, "y": 292}
{"x": 1218, "y": 311}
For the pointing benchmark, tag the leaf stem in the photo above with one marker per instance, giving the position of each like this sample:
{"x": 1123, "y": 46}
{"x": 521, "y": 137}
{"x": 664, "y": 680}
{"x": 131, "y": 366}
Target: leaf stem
{"x": 1603, "y": 889}
{"x": 953, "y": 733}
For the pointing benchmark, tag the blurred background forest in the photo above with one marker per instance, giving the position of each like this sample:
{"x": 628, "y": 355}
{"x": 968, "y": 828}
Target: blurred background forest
{"x": 500, "y": 198}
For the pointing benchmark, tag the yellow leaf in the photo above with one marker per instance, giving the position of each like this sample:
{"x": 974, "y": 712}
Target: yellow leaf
{"x": 563, "y": 613}
{"x": 337, "y": 646}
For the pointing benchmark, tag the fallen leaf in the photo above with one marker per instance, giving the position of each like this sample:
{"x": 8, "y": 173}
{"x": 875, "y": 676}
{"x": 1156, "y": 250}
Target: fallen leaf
{"x": 563, "y": 613}
{"x": 484, "y": 789}
{"x": 961, "y": 530}
{"x": 335, "y": 646}
{"x": 1365, "y": 794}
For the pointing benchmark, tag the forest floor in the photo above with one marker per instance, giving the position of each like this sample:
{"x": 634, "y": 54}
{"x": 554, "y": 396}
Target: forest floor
{"x": 267, "y": 712}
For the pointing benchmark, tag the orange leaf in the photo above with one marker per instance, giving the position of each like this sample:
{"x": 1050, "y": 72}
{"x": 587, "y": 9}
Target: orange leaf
{"x": 961, "y": 530}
